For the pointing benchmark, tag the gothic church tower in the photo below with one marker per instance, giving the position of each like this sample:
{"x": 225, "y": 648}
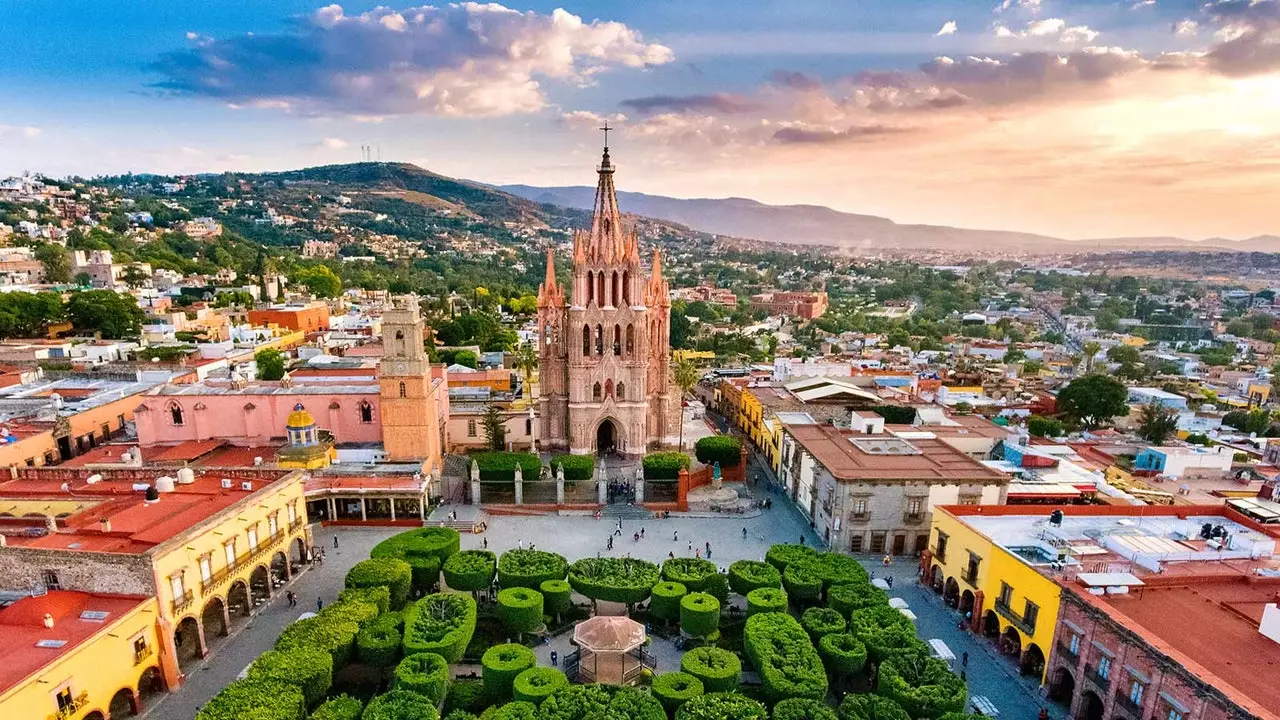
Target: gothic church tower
{"x": 605, "y": 348}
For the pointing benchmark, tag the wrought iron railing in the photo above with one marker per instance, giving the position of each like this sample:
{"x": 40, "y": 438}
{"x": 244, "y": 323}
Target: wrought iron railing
{"x": 970, "y": 576}
{"x": 1092, "y": 675}
{"x": 142, "y": 654}
{"x": 181, "y": 603}
{"x": 1065, "y": 650}
{"x": 1131, "y": 708}
{"x": 218, "y": 578}
{"x": 77, "y": 704}
{"x": 911, "y": 518}
{"x": 1015, "y": 618}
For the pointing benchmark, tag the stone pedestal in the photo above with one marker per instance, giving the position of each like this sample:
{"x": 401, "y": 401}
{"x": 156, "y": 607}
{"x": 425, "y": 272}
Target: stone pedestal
{"x": 639, "y": 490}
{"x": 475, "y": 492}
{"x": 519, "y": 486}
{"x": 560, "y": 487}
{"x": 602, "y": 492}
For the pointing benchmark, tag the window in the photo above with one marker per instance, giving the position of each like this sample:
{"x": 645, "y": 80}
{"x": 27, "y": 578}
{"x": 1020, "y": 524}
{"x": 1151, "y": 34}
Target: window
{"x": 941, "y": 552}
{"x": 855, "y": 543}
{"x": 621, "y": 391}
{"x": 591, "y": 288}
{"x": 586, "y": 340}
{"x": 206, "y": 568}
{"x": 471, "y": 428}
{"x": 106, "y": 431}
{"x": 177, "y": 587}
{"x": 915, "y": 506}
{"x": 175, "y": 413}
{"x": 1031, "y": 613}
{"x": 1006, "y": 594}
{"x": 1174, "y": 714}
{"x": 600, "y": 338}
{"x": 66, "y": 703}
{"x": 528, "y": 426}
{"x": 50, "y": 578}
{"x": 399, "y": 334}
{"x": 1104, "y": 667}
{"x": 292, "y": 513}
{"x": 404, "y": 390}
{"x": 595, "y": 392}
{"x": 253, "y": 538}
{"x": 617, "y": 339}
{"x": 970, "y": 499}
{"x": 859, "y": 507}
{"x": 1074, "y": 645}
{"x": 1135, "y": 692}
{"x": 120, "y": 422}
{"x": 366, "y": 412}
{"x": 631, "y": 340}
{"x": 48, "y": 458}
{"x": 877, "y": 542}
{"x": 31, "y": 462}
{"x": 229, "y": 552}
{"x": 273, "y": 523}
{"x": 626, "y": 287}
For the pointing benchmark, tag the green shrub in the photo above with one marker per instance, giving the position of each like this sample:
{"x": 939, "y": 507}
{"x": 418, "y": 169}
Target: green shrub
{"x": 400, "y": 705}
{"x": 392, "y": 573}
{"x": 699, "y": 614}
{"x": 466, "y": 695}
{"x": 576, "y": 467}
{"x": 530, "y": 568}
{"x": 623, "y": 580}
{"x": 334, "y": 636}
{"x": 426, "y": 674}
{"x": 351, "y": 610}
{"x": 924, "y": 686}
{"x": 442, "y": 623}
{"x": 821, "y": 621}
{"x": 848, "y": 597}
{"x": 342, "y": 707}
{"x": 883, "y": 630}
{"x": 802, "y": 583}
{"x": 461, "y": 715}
{"x": 693, "y": 573}
{"x": 520, "y": 609}
{"x": 632, "y": 704}
{"x": 896, "y": 414}
{"x": 721, "y": 449}
{"x": 664, "y": 604}
{"x": 378, "y": 645}
{"x": 501, "y": 664}
{"x": 255, "y": 699}
{"x": 425, "y": 549}
{"x": 747, "y": 575}
{"x": 763, "y": 600}
{"x": 311, "y": 669}
{"x": 501, "y": 466}
{"x": 842, "y": 653}
{"x": 537, "y": 684}
{"x": 674, "y": 689}
{"x": 379, "y": 596}
{"x": 803, "y": 709}
{"x": 870, "y": 707}
{"x": 833, "y": 569}
{"x": 470, "y": 570}
{"x": 719, "y": 670}
{"x": 784, "y": 656}
{"x": 664, "y": 465}
{"x": 780, "y": 556}
{"x": 557, "y": 597}
{"x": 722, "y": 706}
{"x": 578, "y": 702}
{"x": 512, "y": 711}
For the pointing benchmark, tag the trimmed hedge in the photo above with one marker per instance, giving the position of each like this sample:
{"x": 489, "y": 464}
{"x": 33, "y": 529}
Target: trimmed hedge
{"x": 674, "y": 689}
{"x": 765, "y": 600}
{"x": 461, "y": 715}
{"x": 576, "y": 467}
{"x": 748, "y": 575}
{"x": 425, "y": 549}
{"x": 722, "y": 706}
{"x": 342, "y": 707}
{"x": 721, "y": 449}
{"x": 784, "y": 656}
{"x": 883, "y": 630}
{"x": 378, "y": 645}
{"x": 512, "y": 711}
{"x": 780, "y": 556}
{"x": 501, "y": 664}
{"x": 821, "y": 621}
{"x": 693, "y": 573}
{"x": 557, "y": 597}
{"x": 664, "y": 604}
{"x": 520, "y": 609}
{"x": 537, "y": 684}
{"x": 392, "y": 573}
{"x": 400, "y": 705}
{"x": 501, "y": 466}
{"x": 842, "y": 653}
{"x": 832, "y": 568}
{"x": 633, "y": 704}
{"x": 623, "y": 580}
{"x": 309, "y": 668}
{"x": 924, "y": 686}
{"x": 442, "y": 623}
{"x": 664, "y": 465}
{"x": 803, "y": 709}
{"x": 470, "y": 570}
{"x": 379, "y": 596}
{"x": 426, "y": 674}
{"x": 699, "y": 614}
{"x": 334, "y": 636}
{"x": 848, "y": 597}
{"x": 466, "y": 695}
{"x": 802, "y": 583}
{"x": 578, "y": 702}
{"x": 719, "y": 670}
{"x": 870, "y": 707}
{"x": 530, "y": 568}
{"x": 351, "y": 609}
{"x": 256, "y": 698}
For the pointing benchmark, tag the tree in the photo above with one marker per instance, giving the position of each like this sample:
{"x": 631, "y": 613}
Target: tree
{"x": 898, "y": 337}
{"x": 686, "y": 377}
{"x": 83, "y": 279}
{"x": 1040, "y": 426}
{"x": 24, "y": 314}
{"x": 270, "y": 363}
{"x": 495, "y": 432}
{"x": 1093, "y": 400}
{"x": 113, "y": 314}
{"x": 1014, "y": 355}
{"x": 526, "y": 362}
{"x": 134, "y": 276}
{"x": 466, "y": 358}
{"x": 233, "y": 297}
{"x": 320, "y": 280}
{"x": 1254, "y": 422}
{"x": 1091, "y": 350}
{"x": 1156, "y": 423}
{"x": 57, "y": 269}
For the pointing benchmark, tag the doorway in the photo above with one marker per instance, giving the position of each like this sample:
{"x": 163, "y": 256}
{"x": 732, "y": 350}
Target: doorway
{"x": 606, "y": 437}
{"x": 899, "y": 544}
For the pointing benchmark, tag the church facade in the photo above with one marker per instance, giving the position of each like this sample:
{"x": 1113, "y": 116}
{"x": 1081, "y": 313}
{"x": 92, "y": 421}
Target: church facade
{"x": 604, "y": 345}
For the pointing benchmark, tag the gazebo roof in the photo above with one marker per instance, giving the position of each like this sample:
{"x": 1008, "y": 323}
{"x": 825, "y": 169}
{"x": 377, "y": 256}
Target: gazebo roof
{"x": 609, "y": 634}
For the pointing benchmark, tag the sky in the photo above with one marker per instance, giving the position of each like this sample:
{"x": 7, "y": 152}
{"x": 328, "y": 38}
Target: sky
{"x": 1071, "y": 118}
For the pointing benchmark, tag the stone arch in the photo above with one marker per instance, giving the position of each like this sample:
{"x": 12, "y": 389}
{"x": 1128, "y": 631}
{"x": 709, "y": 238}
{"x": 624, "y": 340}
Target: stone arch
{"x": 608, "y": 388}
{"x": 239, "y": 605}
{"x": 95, "y": 715}
{"x": 300, "y": 552}
{"x": 1062, "y": 686}
{"x": 188, "y": 640}
{"x": 176, "y": 415}
{"x": 1091, "y": 706}
{"x": 621, "y": 391}
{"x": 586, "y": 341}
{"x": 260, "y": 585}
{"x": 610, "y": 436}
{"x": 1032, "y": 661}
{"x": 124, "y": 704}
{"x": 214, "y": 617}
{"x": 280, "y": 567}
{"x": 150, "y": 684}
{"x": 596, "y": 395}
{"x": 951, "y": 592}
{"x": 966, "y": 601}
{"x": 1011, "y": 642}
{"x": 935, "y": 578}
{"x": 617, "y": 339}
{"x": 991, "y": 624}
{"x": 631, "y": 340}
{"x": 366, "y": 411}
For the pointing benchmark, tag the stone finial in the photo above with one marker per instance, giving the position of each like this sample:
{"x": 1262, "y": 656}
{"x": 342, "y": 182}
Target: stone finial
{"x": 560, "y": 472}
{"x": 475, "y": 471}
{"x": 519, "y": 473}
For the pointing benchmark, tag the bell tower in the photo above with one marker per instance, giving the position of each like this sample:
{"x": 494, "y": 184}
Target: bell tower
{"x": 408, "y": 406}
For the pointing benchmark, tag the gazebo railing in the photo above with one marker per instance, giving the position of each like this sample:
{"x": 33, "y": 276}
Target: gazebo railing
{"x": 572, "y": 665}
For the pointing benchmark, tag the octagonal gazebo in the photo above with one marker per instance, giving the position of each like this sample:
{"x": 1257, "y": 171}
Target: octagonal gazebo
{"x": 611, "y": 650}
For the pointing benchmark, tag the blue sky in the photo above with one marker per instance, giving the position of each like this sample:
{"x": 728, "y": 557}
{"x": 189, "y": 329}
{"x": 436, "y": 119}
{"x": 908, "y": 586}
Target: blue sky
{"x": 1072, "y": 118}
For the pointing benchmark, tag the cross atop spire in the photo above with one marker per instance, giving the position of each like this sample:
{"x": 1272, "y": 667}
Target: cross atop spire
{"x": 606, "y": 130}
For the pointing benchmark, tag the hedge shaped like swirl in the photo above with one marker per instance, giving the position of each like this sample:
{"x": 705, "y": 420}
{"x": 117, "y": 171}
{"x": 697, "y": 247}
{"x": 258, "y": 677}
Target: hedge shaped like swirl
{"x": 424, "y": 673}
{"x": 442, "y": 623}
{"x": 782, "y": 652}
{"x": 923, "y": 686}
{"x": 622, "y": 580}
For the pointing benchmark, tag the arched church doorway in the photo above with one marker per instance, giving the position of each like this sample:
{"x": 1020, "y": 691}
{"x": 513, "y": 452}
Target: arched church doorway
{"x": 608, "y": 440}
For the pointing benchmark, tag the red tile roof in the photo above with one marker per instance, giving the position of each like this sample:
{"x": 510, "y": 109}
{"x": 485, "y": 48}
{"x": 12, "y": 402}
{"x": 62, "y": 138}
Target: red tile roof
{"x": 182, "y": 452}
{"x": 936, "y": 461}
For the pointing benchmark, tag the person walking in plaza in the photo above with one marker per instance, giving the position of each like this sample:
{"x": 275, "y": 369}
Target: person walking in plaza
{"x": 484, "y": 541}
{"x": 520, "y": 543}
{"x": 744, "y": 533}
{"x": 335, "y": 541}
{"x": 675, "y": 536}
{"x": 319, "y": 604}
{"x": 690, "y": 546}
{"x": 964, "y": 659}
{"x": 641, "y": 533}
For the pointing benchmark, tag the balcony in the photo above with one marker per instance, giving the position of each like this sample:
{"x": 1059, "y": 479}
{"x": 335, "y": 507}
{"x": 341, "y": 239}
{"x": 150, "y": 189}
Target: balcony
{"x": 860, "y": 517}
{"x": 939, "y": 554}
{"x": 142, "y": 654}
{"x": 970, "y": 576}
{"x": 218, "y": 578}
{"x": 1091, "y": 674}
{"x": 71, "y": 708}
{"x": 1064, "y": 649}
{"x": 910, "y": 518}
{"x": 297, "y": 523}
{"x": 1130, "y": 708}
{"x": 181, "y": 603}
{"x": 1015, "y": 619}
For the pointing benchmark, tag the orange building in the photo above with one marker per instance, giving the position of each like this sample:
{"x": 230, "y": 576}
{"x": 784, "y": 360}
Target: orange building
{"x": 409, "y": 393}
{"x": 496, "y": 379}
{"x": 306, "y": 318}
{"x": 57, "y": 420}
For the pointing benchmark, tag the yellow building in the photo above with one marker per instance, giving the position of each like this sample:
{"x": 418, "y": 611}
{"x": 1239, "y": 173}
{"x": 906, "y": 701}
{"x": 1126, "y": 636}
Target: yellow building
{"x": 308, "y": 447}
{"x": 1001, "y": 586}
{"x": 78, "y": 656}
{"x": 698, "y": 356}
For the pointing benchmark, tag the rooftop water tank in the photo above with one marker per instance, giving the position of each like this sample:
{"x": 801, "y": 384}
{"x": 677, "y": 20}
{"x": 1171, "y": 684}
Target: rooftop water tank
{"x": 186, "y": 476}
{"x": 164, "y": 484}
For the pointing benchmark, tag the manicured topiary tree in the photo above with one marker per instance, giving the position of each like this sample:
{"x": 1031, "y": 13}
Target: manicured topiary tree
{"x": 578, "y": 702}
{"x": 747, "y": 575}
{"x": 342, "y": 707}
{"x": 400, "y": 705}
{"x": 664, "y": 603}
{"x": 530, "y": 568}
{"x": 722, "y": 449}
{"x": 461, "y": 715}
{"x": 259, "y": 698}
{"x": 622, "y": 580}
{"x": 664, "y": 465}
{"x": 629, "y": 703}
{"x": 512, "y": 711}
{"x": 470, "y": 570}
{"x": 336, "y": 637}
{"x": 780, "y": 556}
{"x": 378, "y": 644}
{"x": 784, "y": 656}
{"x": 576, "y": 467}
{"x": 311, "y": 669}
{"x": 699, "y": 614}
{"x": 557, "y": 597}
{"x": 870, "y": 707}
{"x": 466, "y": 695}
{"x": 718, "y": 669}
{"x": 693, "y": 573}
{"x": 537, "y": 684}
{"x": 442, "y": 623}
{"x": 378, "y": 595}
{"x": 351, "y": 610}
{"x": 722, "y": 706}
{"x": 425, "y": 673}
{"x": 848, "y": 597}
{"x": 763, "y": 600}
{"x": 821, "y": 621}
{"x": 803, "y": 709}
{"x": 802, "y": 584}
{"x": 392, "y": 573}
{"x": 425, "y": 549}
{"x": 883, "y": 630}
{"x": 842, "y": 654}
{"x": 923, "y": 686}
{"x": 520, "y": 609}
{"x": 500, "y": 666}
{"x": 674, "y": 689}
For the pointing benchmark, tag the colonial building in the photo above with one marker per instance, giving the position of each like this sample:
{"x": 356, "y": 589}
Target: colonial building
{"x": 605, "y": 348}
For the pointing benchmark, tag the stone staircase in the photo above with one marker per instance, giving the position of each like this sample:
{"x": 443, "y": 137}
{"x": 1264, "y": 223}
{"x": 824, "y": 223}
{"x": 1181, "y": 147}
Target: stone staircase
{"x": 626, "y": 512}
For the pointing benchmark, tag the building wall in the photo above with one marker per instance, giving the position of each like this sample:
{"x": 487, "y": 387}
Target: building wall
{"x": 412, "y": 428}
{"x": 95, "y": 572}
{"x": 466, "y": 430}
{"x": 307, "y": 319}
{"x": 85, "y": 431}
{"x": 252, "y": 420}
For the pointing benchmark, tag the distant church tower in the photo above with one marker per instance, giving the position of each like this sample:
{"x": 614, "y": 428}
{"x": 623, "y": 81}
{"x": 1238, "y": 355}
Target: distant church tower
{"x": 410, "y": 421}
{"x": 605, "y": 349}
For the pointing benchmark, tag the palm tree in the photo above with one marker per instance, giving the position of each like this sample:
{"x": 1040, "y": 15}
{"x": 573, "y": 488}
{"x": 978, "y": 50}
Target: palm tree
{"x": 1091, "y": 349}
{"x": 686, "y": 376}
{"x": 526, "y": 361}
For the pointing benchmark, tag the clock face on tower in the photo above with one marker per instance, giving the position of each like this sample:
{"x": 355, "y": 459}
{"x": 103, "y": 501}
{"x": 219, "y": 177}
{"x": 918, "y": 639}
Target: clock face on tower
{"x": 397, "y": 367}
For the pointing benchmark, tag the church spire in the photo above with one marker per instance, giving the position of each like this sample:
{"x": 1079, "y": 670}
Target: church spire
{"x": 549, "y": 292}
{"x": 607, "y": 243}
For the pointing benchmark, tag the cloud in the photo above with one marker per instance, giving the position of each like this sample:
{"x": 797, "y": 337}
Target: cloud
{"x": 459, "y": 60}
{"x": 1141, "y": 4}
{"x": 795, "y": 80}
{"x": 723, "y": 103}
{"x": 1186, "y": 28}
{"x": 18, "y": 131}
{"x": 1248, "y": 38}
{"x": 1054, "y": 28}
{"x": 333, "y": 143}
{"x": 948, "y": 28}
{"x": 1030, "y": 6}
{"x": 822, "y": 136}
{"x": 587, "y": 120}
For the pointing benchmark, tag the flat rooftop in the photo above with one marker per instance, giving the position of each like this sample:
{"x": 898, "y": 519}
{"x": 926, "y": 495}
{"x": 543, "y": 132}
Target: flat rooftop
{"x": 78, "y": 394}
{"x": 851, "y": 456}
